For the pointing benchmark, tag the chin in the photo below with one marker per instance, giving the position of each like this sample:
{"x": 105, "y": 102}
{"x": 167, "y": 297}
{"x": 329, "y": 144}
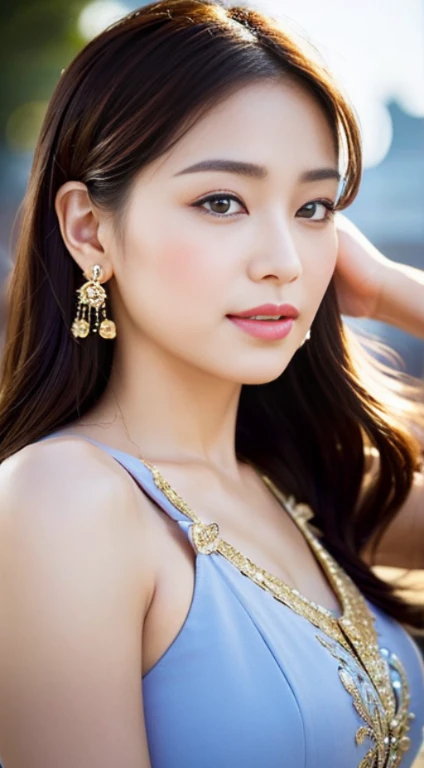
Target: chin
{"x": 262, "y": 374}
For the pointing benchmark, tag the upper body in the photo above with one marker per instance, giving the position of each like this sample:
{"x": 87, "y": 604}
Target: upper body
{"x": 96, "y": 558}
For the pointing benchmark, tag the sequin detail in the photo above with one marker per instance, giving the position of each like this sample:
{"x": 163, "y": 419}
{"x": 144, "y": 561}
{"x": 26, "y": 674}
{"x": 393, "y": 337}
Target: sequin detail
{"x": 374, "y": 677}
{"x": 390, "y": 739}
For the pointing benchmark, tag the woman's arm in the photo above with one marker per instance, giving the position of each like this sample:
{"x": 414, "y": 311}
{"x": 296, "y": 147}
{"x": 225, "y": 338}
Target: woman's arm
{"x": 401, "y": 299}
{"x": 74, "y": 589}
{"x": 401, "y": 303}
{"x": 368, "y": 284}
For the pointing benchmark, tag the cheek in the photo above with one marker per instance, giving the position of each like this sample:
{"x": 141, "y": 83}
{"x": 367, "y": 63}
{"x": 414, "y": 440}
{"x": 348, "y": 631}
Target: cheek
{"x": 321, "y": 274}
{"x": 176, "y": 278}
{"x": 179, "y": 265}
{"x": 318, "y": 269}
{"x": 320, "y": 265}
{"x": 186, "y": 262}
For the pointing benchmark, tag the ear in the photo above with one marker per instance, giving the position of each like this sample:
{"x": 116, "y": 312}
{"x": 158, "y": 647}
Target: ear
{"x": 83, "y": 231}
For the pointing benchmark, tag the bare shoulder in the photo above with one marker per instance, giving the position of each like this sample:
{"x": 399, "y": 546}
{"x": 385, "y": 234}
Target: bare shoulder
{"x": 76, "y": 585}
{"x": 62, "y": 465}
{"x": 72, "y": 481}
{"x": 68, "y": 486}
{"x": 70, "y": 472}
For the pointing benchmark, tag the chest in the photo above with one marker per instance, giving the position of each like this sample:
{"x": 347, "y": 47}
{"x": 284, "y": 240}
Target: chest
{"x": 257, "y": 624}
{"x": 249, "y": 681}
{"x": 266, "y": 535}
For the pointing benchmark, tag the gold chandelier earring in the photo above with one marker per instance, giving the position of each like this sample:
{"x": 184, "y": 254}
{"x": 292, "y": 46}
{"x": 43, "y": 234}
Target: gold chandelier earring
{"x": 92, "y": 299}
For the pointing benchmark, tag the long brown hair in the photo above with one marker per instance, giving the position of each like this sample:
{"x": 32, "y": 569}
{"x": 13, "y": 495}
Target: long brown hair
{"x": 127, "y": 97}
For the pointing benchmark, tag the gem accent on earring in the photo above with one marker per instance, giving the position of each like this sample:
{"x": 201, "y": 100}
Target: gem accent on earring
{"x": 107, "y": 329}
{"x": 92, "y": 297}
{"x": 80, "y": 329}
{"x": 92, "y": 294}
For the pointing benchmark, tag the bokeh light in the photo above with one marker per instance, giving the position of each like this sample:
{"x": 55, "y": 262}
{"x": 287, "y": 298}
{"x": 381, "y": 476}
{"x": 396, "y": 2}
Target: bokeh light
{"x": 96, "y": 16}
{"x": 23, "y": 126}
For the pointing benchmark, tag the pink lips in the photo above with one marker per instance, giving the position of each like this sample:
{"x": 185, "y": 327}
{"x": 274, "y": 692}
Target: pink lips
{"x": 269, "y": 309}
{"x": 271, "y": 330}
{"x": 264, "y": 329}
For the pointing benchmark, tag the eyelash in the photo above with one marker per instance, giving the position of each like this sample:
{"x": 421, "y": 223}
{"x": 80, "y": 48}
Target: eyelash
{"x": 330, "y": 207}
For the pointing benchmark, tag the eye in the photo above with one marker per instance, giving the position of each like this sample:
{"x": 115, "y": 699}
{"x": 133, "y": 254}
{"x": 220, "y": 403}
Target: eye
{"x": 329, "y": 209}
{"x": 219, "y": 201}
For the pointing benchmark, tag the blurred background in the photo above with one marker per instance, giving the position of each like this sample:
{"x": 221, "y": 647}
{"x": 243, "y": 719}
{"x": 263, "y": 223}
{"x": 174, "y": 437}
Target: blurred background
{"x": 375, "y": 49}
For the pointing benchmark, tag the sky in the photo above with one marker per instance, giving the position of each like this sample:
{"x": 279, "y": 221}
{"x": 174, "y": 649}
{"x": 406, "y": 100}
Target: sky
{"x": 375, "y": 49}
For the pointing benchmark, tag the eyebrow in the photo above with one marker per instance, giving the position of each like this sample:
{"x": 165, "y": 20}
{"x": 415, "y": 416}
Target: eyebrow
{"x": 257, "y": 171}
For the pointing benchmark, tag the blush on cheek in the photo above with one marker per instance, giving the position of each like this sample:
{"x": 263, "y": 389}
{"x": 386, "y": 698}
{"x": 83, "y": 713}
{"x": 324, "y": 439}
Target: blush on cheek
{"x": 184, "y": 266}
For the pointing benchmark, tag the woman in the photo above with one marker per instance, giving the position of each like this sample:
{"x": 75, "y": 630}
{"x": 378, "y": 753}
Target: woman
{"x": 185, "y": 495}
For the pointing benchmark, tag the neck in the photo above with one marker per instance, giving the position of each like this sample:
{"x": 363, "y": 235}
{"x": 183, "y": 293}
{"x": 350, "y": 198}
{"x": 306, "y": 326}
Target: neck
{"x": 169, "y": 410}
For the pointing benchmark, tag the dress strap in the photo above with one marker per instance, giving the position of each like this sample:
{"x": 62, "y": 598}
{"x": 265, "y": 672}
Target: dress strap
{"x": 142, "y": 476}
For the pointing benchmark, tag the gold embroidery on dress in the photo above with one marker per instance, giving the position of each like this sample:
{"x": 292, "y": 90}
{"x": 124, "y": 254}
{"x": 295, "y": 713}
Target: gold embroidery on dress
{"x": 387, "y": 751}
{"x": 364, "y": 667}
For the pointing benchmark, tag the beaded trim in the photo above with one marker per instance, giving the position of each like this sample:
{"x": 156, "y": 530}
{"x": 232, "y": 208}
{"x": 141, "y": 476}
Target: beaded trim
{"x": 365, "y": 669}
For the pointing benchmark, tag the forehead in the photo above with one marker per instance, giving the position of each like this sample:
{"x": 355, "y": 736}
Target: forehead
{"x": 277, "y": 124}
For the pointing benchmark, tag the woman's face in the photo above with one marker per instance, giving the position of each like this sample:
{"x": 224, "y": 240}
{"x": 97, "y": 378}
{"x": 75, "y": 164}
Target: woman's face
{"x": 186, "y": 264}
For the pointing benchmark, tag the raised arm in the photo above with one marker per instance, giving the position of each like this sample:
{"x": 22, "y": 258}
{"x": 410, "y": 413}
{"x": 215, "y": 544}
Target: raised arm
{"x": 75, "y": 587}
{"x": 368, "y": 284}
{"x": 401, "y": 301}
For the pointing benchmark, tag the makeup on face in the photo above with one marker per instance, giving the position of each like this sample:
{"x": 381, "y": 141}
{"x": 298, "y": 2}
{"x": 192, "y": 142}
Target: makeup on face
{"x": 272, "y": 330}
{"x": 268, "y": 321}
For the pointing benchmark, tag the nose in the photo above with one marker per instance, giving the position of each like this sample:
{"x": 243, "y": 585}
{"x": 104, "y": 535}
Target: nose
{"x": 276, "y": 256}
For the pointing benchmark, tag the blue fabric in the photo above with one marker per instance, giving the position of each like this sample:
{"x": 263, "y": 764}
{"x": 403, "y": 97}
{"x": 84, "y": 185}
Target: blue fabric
{"x": 246, "y": 683}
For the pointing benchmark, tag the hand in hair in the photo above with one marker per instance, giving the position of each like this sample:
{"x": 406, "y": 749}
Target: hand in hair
{"x": 360, "y": 270}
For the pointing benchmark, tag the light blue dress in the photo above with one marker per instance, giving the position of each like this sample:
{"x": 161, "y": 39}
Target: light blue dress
{"x": 245, "y": 684}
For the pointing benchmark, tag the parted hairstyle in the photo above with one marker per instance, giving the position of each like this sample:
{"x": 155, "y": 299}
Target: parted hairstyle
{"x": 129, "y": 95}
